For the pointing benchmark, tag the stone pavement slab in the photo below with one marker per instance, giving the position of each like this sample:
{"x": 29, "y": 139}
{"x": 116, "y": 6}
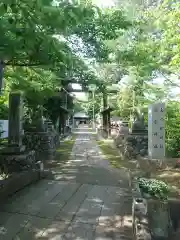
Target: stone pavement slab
{"x": 88, "y": 200}
{"x": 90, "y": 210}
{"x": 68, "y": 212}
{"x": 78, "y": 231}
{"x": 34, "y": 228}
{"x": 51, "y": 208}
{"x": 88, "y": 166}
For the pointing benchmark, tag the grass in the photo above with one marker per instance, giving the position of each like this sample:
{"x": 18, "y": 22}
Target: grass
{"x": 4, "y": 141}
{"x": 112, "y": 154}
{"x": 171, "y": 176}
{"x": 65, "y": 149}
{"x": 167, "y": 173}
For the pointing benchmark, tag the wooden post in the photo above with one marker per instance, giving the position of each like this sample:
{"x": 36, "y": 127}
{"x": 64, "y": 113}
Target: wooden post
{"x": 63, "y": 123}
{"x": 59, "y": 123}
{"x": 105, "y": 120}
{"x": 104, "y": 100}
{"x": 109, "y": 123}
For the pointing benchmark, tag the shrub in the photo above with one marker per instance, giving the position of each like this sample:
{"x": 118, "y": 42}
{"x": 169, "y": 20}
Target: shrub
{"x": 153, "y": 187}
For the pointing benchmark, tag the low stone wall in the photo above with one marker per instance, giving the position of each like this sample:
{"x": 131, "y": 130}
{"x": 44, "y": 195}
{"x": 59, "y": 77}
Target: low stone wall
{"x": 20, "y": 180}
{"x": 131, "y": 146}
{"x": 11, "y": 163}
{"x": 151, "y": 217}
{"x": 44, "y": 144}
{"x": 17, "y": 182}
{"x": 141, "y": 225}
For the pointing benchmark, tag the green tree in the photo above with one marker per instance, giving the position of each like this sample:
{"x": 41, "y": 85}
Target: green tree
{"x": 173, "y": 128}
{"x": 39, "y": 39}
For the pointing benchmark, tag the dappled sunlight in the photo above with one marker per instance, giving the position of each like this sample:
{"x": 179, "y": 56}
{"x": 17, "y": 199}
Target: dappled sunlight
{"x": 84, "y": 132}
{"x": 3, "y": 230}
{"x": 116, "y": 221}
{"x": 24, "y": 225}
{"x": 37, "y": 232}
{"x": 169, "y": 175}
{"x": 50, "y": 232}
{"x": 81, "y": 204}
{"x": 114, "y": 227}
{"x": 65, "y": 170}
{"x": 85, "y": 224}
{"x": 55, "y": 231}
{"x": 77, "y": 160}
{"x": 58, "y": 176}
{"x": 172, "y": 178}
{"x": 85, "y": 163}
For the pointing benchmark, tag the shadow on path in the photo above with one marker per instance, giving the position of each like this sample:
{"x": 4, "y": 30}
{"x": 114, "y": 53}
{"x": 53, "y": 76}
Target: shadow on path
{"x": 89, "y": 201}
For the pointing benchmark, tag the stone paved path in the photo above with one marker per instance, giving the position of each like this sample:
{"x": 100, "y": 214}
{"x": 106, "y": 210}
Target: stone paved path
{"x": 88, "y": 200}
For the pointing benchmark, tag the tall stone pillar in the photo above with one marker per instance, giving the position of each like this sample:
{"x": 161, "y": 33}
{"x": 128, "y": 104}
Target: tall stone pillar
{"x": 156, "y": 131}
{"x": 14, "y": 154}
{"x": 15, "y": 129}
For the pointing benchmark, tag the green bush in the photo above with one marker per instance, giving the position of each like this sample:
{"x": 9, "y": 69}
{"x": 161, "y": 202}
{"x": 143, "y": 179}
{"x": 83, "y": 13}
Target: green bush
{"x": 173, "y": 129}
{"x": 155, "y": 188}
{"x": 3, "y": 108}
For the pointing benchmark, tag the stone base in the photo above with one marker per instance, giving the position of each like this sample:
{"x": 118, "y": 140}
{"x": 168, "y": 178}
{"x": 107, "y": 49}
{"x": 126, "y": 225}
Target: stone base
{"x": 159, "y": 218}
{"x": 140, "y": 221}
{"x": 151, "y": 217}
{"x": 44, "y": 143}
{"x": 45, "y": 155}
{"x": 17, "y": 182}
{"x": 10, "y": 149}
{"x": 12, "y": 163}
{"x": 143, "y": 132}
{"x": 132, "y": 145}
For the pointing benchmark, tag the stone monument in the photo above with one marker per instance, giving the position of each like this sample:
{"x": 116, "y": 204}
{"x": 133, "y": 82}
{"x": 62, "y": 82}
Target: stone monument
{"x": 41, "y": 137}
{"x": 159, "y": 214}
{"x": 14, "y": 155}
{"x": 138, "y": 126}
{"x": 38, "y": 123}
{"x": 15, "y": 129}
{"x": 156, "y": 131}
{"x": 137, "y": 141}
